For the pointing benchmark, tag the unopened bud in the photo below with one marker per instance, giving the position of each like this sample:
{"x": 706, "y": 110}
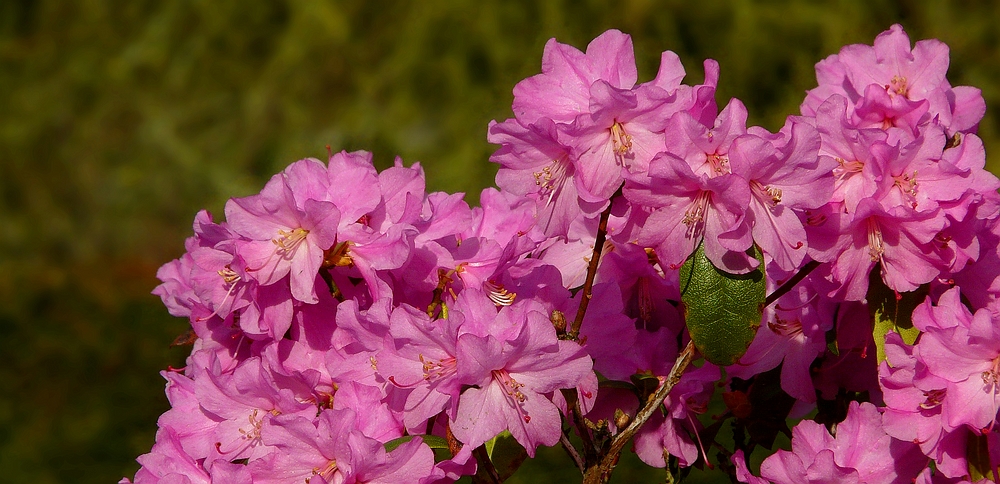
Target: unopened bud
{"x": 621, "y": 419}
{"x": 559, "y": 321}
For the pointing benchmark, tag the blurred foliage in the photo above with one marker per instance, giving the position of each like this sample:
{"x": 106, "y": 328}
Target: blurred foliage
{"x": 119, "y": 120}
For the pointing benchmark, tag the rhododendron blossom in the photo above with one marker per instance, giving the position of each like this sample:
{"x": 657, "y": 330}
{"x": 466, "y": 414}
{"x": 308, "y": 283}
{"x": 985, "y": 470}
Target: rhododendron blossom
{"x": 348, "y": 326}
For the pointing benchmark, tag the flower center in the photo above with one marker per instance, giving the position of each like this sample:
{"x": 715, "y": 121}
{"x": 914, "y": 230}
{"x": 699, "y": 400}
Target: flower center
{"x": 229, "y": 276}
{"x": 498, "y": 294}
{"x": 785, "y": 327}
{"x": 621, "y": 141}
{"x": 694, "y": 217}
{"x": 326, "y": 472}
{"x": 718, "y": 163}
{"x": 933, "y": 398}
{"x": 550, "y": 179}
{"x": 288, "y": 241}
{"x": 442, "y": 368}
{"x": 512, "y": 389}
{"x": 898, "y": 86}
{"x": 876, "y": 246}
{"x": 846, "y": 168}
{"x": 908, "y": 185}
{"x": 991, "y": 377}
{"x": 768, "y": 195}
{"x": 338, "y": 256}
{"x": 253, "y": 433}
{"x": 815, "y": 219}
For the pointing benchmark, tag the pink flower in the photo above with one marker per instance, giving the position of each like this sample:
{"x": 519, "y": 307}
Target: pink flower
{"x": 671, "y": 433}
{"x": 963, "y": 349}
{"x": 859, "y": 452}
{"x": 168, "y": 463}
{"x": 853, "y": 244}
{"x": 512, "y": 359}
{"x": 287, "y": 228}
{"x": 562, "y": 91}
{"x": 913, "y": 403}
{"x": 534, "y": 163}
{"x": 242, "y": 402}
{"x": 793, "y": 336}
{"x": 585, "y": 109}
{"x": 786, "y": 177}
{"x": 705, "y": 146}
{"x": 902, "y": 75}
{"x": 648, "y": 292}
{"x": 421, "y": 364}
{"x": 688, "y": 208}
{"x": 332, "y": 449}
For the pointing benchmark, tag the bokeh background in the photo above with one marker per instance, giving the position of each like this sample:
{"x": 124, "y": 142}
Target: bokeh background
{"x": 119, "y": 120}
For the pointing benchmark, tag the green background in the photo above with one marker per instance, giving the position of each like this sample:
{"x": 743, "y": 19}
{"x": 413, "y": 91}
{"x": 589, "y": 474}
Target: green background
{"x": 119, "y": 120}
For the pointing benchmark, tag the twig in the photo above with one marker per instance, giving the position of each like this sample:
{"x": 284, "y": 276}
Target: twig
{"x": 573, "y": 454}
{"x": 486, "y": 472}
{"x": 595, "y": 258}
{"x": 789, "y": 284}
{"x": 599, "y": 474}
{"x": 573, "y": 403}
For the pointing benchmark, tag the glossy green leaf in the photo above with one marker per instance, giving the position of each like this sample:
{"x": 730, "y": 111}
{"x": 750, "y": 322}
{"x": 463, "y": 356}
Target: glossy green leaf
{"x": 722, "y": 310}
{"x": 892, "y": 311}
{"x": 977, "y": 453}
{"x": 506, "y": 454}
{"x": 432, "y": 441}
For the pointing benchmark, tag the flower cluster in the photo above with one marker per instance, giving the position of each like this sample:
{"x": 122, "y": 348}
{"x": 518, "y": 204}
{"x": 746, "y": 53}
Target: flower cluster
{"x": 345, "y": 321}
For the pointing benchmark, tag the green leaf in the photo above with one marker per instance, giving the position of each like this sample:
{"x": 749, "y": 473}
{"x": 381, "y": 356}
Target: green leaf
{"x": 977, "y": 453}
{"x": 432, "y": 441}
{"x": 722, "y": 310}
{"x": 506, "y": 454}
{"x": 892, "y": 311}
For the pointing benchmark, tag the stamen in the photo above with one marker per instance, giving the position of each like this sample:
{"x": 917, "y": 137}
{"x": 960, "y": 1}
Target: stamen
{"x": 815, "y": 219}
{"x": 620, "y": 140}
{"x": 991, "y": 377}
{"x": 443, "y": 368}
{"x": 908, "y": 185}
{"x": 551, "y": 179}
{"x": 846, "y": 168}
{"x": 498, "y": 294}
{"x": 701, "y": 446}
{"x": 229, "y": 276}
{"x": 512, "y": 389}
{"x": 789, "y": 328}
{"x": 288, "y": 241}
{"x": 326, "y": 472}
{"x": 719, "y": 164}
{"x": 953, "y": 141}
{"x": 338, "y": 256}
{"x": 694, "y": 218}
{"x": 768, "y": 195}
{"x": 898, "y": 86}
{"x": 876, "y": 246}
{"x": 933, "y": 399}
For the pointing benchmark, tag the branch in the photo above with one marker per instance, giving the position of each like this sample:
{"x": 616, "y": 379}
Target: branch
{"x": 485, "y": 473}
{"x": 573, "y": 454}
{"x": 595, "y": 259}
{"x": 789, "y": 284}
{"x": 573, "y": 404}
{"x": 600, "y": 474}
